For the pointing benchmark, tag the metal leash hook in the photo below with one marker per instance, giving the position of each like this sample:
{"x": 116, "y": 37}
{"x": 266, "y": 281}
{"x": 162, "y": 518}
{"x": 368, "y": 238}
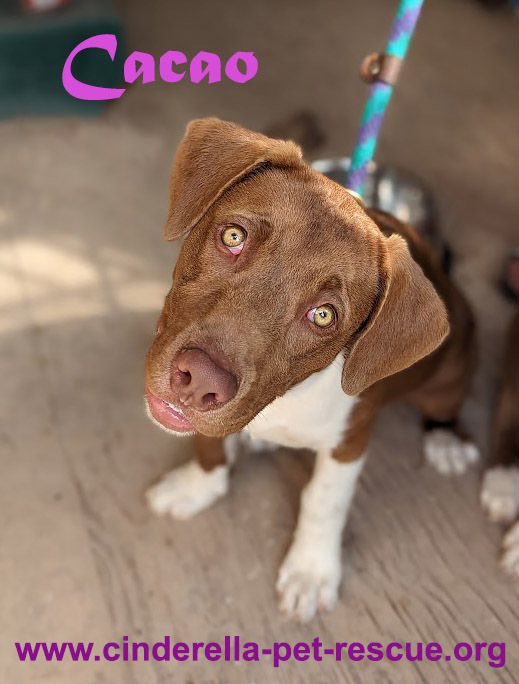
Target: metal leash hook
{"x": 380, "y": 67}
{"x": 381, "y": 71}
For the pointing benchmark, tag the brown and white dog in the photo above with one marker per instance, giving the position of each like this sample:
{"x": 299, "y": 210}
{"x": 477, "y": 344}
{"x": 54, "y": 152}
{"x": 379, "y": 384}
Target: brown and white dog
{"x": 294, "y": 314}
{"x": 500, "y": 490}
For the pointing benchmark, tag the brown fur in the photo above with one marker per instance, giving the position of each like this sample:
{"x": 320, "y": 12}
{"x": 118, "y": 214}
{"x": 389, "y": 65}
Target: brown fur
{"x": 209, "y": 451}
{"x": 437, "y": 384}
{"x": 308, "y": 243}
{"x": 505, "y": 440}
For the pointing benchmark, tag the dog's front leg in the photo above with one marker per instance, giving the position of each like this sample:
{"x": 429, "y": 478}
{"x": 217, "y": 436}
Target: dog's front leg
{"x": 196, "y": 485}
{"x": 310, "y": 575}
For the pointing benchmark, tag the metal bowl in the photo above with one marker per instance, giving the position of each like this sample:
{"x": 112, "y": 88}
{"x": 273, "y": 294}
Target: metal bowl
{"x": 399, "y": 193}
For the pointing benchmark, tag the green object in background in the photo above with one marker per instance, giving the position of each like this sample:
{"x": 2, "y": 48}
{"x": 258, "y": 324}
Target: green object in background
{"x": 34, "y": 47}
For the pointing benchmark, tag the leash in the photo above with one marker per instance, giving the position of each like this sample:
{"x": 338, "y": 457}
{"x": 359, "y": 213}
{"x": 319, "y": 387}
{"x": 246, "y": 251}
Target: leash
{"x": 381, "y": 70}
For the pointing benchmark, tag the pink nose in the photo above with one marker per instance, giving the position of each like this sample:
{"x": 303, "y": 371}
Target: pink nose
{"x": 200, "y": 383}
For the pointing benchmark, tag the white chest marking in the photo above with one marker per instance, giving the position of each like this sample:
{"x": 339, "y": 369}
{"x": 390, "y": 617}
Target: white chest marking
{"x": 311, "y": 415}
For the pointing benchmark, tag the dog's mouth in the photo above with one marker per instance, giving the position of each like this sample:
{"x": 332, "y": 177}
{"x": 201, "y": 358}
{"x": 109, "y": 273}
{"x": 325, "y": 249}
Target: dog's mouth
{"x": 167, "y": 415}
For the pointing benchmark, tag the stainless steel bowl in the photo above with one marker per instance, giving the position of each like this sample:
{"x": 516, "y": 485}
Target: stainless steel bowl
{"x": 398, "y": 192}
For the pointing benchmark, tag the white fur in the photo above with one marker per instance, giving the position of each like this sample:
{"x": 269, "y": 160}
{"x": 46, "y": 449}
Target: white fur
{"x": 231, "y": 447}
{"x": 260, "y": 446}
{"x": 311, "y": 415}
{"x": 510, "y": 557}
{"x": 187, "y": 490}
{"x": 310, "y": 575}
{"x": 500, "y": 493}
{"x": 448, "y": 453}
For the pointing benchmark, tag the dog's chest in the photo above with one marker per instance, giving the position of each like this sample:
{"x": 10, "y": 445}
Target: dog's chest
{"x": 313, "y": 414}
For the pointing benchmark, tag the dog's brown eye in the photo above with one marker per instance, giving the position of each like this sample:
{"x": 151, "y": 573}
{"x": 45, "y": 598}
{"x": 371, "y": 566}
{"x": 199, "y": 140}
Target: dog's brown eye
{"x": 322, "y": 316}
{"x": 234, "y": 238}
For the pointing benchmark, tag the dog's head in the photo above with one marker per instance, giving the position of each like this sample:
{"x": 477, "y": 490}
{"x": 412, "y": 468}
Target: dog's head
{"x": 280, "y": 271}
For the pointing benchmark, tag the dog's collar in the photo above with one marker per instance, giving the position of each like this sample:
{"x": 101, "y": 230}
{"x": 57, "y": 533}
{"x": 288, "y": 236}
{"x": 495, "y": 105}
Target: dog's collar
{"x": 357, "y": 197}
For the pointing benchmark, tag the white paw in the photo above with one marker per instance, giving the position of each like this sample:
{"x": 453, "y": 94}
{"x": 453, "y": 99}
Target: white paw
{"x": 448, "y": 453}
{"x": 187, "y": 490}
{"x": 510, "y": 557}
{"x": 500, "y": 493}
{"x": 308, "y": 583}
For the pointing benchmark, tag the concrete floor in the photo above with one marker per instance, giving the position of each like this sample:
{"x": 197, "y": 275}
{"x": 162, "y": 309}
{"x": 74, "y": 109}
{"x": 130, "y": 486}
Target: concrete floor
{"x": 83, "y": 271}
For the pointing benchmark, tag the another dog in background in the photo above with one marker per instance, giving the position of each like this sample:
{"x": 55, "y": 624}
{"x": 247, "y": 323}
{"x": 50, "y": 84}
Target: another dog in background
{"x": 294, "y": 314}
{"x": 500, "y": 490}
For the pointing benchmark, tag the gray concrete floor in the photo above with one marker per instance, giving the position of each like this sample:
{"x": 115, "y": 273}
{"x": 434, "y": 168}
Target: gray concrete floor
{"x": 83, "y": 271}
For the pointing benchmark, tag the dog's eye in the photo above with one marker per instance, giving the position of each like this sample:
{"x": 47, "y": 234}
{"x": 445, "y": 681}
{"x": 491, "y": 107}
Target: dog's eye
{"x": 234, "y": 238}
{"x": 322, "y": 316}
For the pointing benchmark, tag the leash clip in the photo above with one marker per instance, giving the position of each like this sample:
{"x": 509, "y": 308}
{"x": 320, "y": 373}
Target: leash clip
{"x": 380, "y": 67}
{"x": 357, "y": 197}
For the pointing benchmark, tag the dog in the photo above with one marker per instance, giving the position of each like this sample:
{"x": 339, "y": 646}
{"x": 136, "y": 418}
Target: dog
{"x": 293, "y": 315}
{"x": 500, "y": 488}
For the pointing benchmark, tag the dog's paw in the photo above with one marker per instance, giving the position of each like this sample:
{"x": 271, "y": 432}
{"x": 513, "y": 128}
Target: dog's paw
{"x": 308, "y": 583}
{"x": 510, "y": 558}
{"x": 448, "y": 453}
{"x": 500, "y": 493}
{"x": 187, "y": 490}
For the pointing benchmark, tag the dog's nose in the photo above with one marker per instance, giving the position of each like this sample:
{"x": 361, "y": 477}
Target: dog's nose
{"x": 199, "y": 382}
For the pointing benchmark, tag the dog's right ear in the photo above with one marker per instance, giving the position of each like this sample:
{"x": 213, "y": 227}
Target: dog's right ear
{"x": 212, "y": 156}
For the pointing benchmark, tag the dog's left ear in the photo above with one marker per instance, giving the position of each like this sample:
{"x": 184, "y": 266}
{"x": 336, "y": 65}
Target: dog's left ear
{"x": 409, "y": 322}
{"x": 212, "y": 156}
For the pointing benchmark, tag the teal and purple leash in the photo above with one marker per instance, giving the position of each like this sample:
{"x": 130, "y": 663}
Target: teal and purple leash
{"x": 382, "y": 72}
